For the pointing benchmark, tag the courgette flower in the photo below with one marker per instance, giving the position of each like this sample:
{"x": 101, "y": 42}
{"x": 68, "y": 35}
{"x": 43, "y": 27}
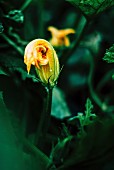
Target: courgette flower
{"x": 59, "y": 37}
{"x": 42, "y": 55}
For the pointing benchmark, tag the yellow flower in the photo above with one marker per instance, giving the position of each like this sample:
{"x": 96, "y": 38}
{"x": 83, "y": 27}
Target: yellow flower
{"x": 59, "y": 37}
{"x": 42, "y": 55}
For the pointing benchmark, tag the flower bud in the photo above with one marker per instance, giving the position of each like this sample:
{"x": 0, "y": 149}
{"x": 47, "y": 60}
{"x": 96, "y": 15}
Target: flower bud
{"x": 42, "y": 55}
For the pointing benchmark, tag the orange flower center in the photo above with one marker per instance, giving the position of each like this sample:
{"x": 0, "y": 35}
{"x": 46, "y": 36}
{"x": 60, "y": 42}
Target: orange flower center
{"x": 40, "y": 56}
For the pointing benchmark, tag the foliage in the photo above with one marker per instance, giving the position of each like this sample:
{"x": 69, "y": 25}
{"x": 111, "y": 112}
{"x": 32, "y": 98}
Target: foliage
{"x": 86, "y": 119}
{"x": 92, "y": 8}
{"x": 109, "y": 55}
{"x": 91, "y": 151}
{"x": 77, "y": 131}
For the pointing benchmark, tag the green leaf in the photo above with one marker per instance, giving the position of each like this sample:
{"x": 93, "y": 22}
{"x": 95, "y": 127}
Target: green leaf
{"x": 16, "y": 16}
{"x": 60, "y": 151}
{"x": 10, "y": 146}
{"x": 93, "y": 151}
{"x": 109, "y": 55}
{"x": 60, "y": 109}
{"x": 91, "y": 8}
{"x": 88, "y": 111}
{"x": 86, "y": 119}
{"x": 14, "y": 145}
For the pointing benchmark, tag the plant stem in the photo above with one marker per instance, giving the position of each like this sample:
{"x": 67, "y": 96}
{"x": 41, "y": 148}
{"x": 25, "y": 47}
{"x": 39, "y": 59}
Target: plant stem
{"x": 74, "y": 45}
{"x": 18, "y": 49}
{"x": 94, "y": 95}
{"x": 105, "y": 79}
{"x": 43, "y": 161}
{"x": 25, "y": 5}
{"x": 45, "y": 117}
{"x": 47, "y": 109}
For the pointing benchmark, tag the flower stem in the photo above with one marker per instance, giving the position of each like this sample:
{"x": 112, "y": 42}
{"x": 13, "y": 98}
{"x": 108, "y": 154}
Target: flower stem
{"x": 45, "y": 117}
{"x": 47, "y": 109}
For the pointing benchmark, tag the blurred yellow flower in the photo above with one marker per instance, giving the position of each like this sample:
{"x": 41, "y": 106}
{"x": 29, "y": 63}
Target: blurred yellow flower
{"x": 42, "y": 55}
{"x": 59, "y": 37}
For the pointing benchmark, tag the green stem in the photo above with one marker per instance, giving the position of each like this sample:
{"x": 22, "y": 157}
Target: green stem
{"x": 67, "y": 54}
{"x": 16, "y": 36}
{"x": 47, "y": 109}
{"x": 105, "y": 79}
{"x": 25, "y": 5}
{"x": 94, "y": 95}
{"x": 45, "y": 117}
{"x": 43, "y": 161}
{"x": 18, "y": 49}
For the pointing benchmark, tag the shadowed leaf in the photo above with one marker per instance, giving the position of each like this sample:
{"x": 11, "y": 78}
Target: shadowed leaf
{"x": 91, "y": 8}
